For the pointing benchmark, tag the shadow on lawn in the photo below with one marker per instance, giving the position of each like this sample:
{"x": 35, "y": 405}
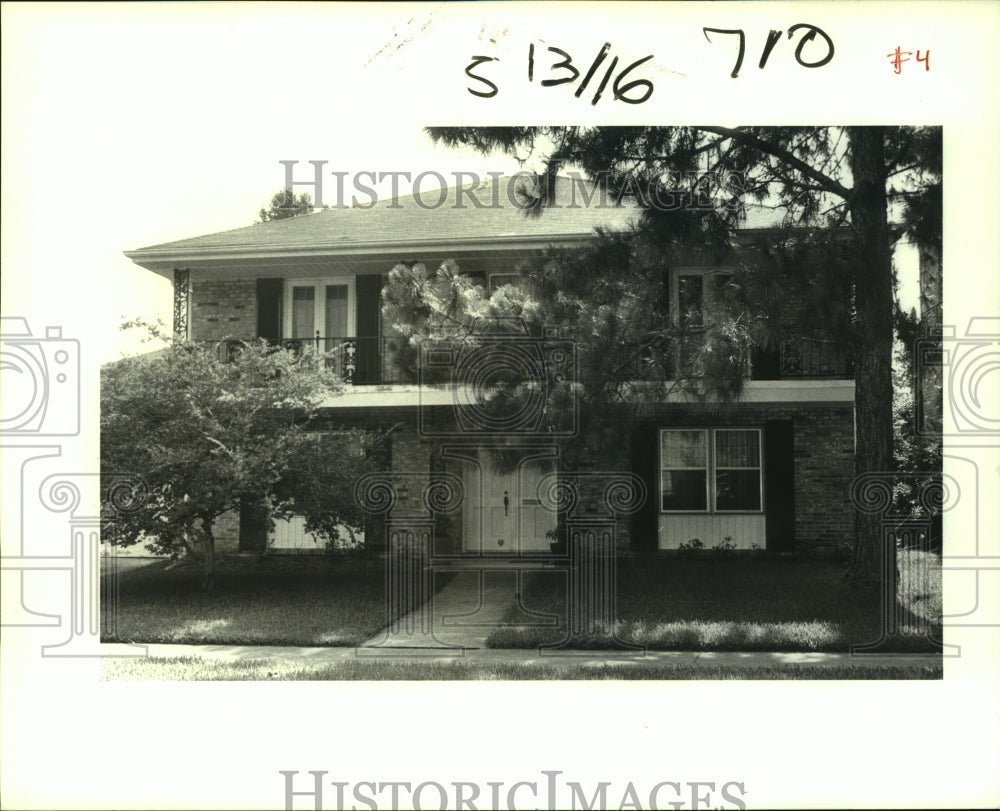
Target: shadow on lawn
{"x": 271, "y": 601}
{"x": 740, "y": 604}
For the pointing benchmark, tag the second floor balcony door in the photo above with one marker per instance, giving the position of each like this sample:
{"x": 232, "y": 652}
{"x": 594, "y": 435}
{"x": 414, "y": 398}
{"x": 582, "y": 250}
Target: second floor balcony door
{"x": 699, "y": 295}
{"x": 319, "y": 315}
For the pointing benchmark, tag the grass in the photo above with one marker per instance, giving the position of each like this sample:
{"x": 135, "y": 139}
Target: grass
{"x": 713, "y": 603}
{"x": 278, "y": 601}
{"x": 194, "y": 668}
{"x": 739, "y": 604}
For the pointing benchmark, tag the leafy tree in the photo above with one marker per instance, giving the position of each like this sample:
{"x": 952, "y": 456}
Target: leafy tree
{"x": 916, "y": 453}
{"x": 205, "y": 434}
{"x": 842, "y": 179}
{"x": 285, "y": 204}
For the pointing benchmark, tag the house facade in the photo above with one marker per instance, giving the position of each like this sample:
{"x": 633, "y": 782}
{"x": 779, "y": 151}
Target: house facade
{"x": 770, "y": 471}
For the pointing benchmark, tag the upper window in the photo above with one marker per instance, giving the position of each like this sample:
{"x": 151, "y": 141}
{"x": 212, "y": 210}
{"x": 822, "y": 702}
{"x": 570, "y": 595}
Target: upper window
{"x": 498, "y": 280}
{"x": 319, "y": 308}
{"x": 698, "y": 297}
{"x": 710, "y": 471}
{"x": 699, "y": 294}
{"x": 491, "y": 282}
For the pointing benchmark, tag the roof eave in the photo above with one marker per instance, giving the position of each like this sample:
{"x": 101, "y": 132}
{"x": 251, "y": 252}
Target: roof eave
{"x": 154, "y": 259}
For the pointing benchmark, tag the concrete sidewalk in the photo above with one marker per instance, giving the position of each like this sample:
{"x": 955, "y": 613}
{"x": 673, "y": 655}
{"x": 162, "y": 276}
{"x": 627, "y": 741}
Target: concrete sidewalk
{"x": 316, "y": 657}
{"x": 462, "y": 614}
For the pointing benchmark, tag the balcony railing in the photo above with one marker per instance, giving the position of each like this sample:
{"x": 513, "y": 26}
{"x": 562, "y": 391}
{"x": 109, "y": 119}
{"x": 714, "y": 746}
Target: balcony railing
{"x": 794, "y": 359}
{"x": 374, "y": 360}
{"x": 359, "y": 361}
{"x": 802, "y": 358}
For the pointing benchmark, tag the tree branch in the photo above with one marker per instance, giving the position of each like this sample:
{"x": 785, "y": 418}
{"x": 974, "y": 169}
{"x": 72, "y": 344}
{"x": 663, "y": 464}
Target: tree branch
{"x": 212, "y": 439}
{"x": 748, "y": 139}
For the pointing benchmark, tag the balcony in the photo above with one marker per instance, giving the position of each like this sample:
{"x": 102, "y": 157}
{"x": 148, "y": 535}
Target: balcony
{"x": 357, "y": 360}
{"x": 803, "y": 358}
{"x": 373, "y": 360}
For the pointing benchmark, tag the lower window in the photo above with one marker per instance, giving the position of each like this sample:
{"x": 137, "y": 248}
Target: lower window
{"x": 710, "y": 470}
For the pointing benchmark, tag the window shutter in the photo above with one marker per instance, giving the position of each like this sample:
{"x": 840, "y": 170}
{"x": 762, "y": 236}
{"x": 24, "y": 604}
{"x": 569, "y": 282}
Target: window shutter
{"x": 779, "y": 486}
{"x": 269, "y": 309}
{"x": 765, "y": 364}
{"x": 645, "y": 460}
{"x": 253, "y": 526}
{"x": 368, "y": 290}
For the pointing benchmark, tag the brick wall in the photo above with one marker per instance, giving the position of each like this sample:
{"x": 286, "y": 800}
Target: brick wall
{"x": 594, "y": 472}
{"x": 227, "y": 532}
{"x": 410, "y": 453}
{"x": 824, "y": 469}
{"x": 823, "y": 464}
{"x": 221, "y": 309}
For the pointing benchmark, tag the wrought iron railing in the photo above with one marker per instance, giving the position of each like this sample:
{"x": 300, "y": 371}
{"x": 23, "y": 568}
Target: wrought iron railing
{"x": 793, "y": 359}
{"x": 356, "y": 360}
{"x": 813, "y": 358}
{"x": 338, "y": 355}
{"x": 375, "y": 360}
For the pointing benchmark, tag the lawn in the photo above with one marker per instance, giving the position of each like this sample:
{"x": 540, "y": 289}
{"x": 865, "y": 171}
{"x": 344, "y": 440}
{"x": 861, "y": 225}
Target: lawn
{"x": 718, "y": 603}
{"x": 276, "y": 601}
{"x": 714, "y": 603}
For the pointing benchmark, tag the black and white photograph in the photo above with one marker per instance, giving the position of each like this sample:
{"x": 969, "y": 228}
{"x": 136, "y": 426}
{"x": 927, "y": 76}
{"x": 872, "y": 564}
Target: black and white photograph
{"x": 370, "y": 442}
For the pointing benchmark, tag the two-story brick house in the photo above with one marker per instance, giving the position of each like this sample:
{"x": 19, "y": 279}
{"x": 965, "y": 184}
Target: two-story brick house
{"x": 770, "y": 471}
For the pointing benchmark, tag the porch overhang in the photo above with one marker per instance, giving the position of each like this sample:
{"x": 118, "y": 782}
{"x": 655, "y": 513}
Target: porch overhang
{"x": 840, "y": 392}
{"x": 832, "y": 391}
{"x": 291, "y": 261}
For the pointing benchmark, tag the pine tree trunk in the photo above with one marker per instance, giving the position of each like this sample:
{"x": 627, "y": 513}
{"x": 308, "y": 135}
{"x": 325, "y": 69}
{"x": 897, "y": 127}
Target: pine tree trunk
{"x": 208, "y": 561}
{"x": 874, "y": 562}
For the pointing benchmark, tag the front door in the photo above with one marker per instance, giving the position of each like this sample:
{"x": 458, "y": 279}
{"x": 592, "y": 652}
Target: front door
{"x": 502, "y": 513}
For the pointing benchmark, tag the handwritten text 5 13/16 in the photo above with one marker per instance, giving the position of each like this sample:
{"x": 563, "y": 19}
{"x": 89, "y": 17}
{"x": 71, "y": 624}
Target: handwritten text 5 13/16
{"x": 554, "y": 66}
{"x": 563, "y": 71}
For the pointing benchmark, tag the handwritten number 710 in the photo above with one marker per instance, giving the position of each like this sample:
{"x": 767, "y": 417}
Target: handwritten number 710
{"x": 773, "y": 36}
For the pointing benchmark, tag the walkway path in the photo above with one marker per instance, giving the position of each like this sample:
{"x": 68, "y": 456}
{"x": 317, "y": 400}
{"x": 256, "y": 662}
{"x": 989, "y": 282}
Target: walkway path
{"x": 461, "y": 615}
